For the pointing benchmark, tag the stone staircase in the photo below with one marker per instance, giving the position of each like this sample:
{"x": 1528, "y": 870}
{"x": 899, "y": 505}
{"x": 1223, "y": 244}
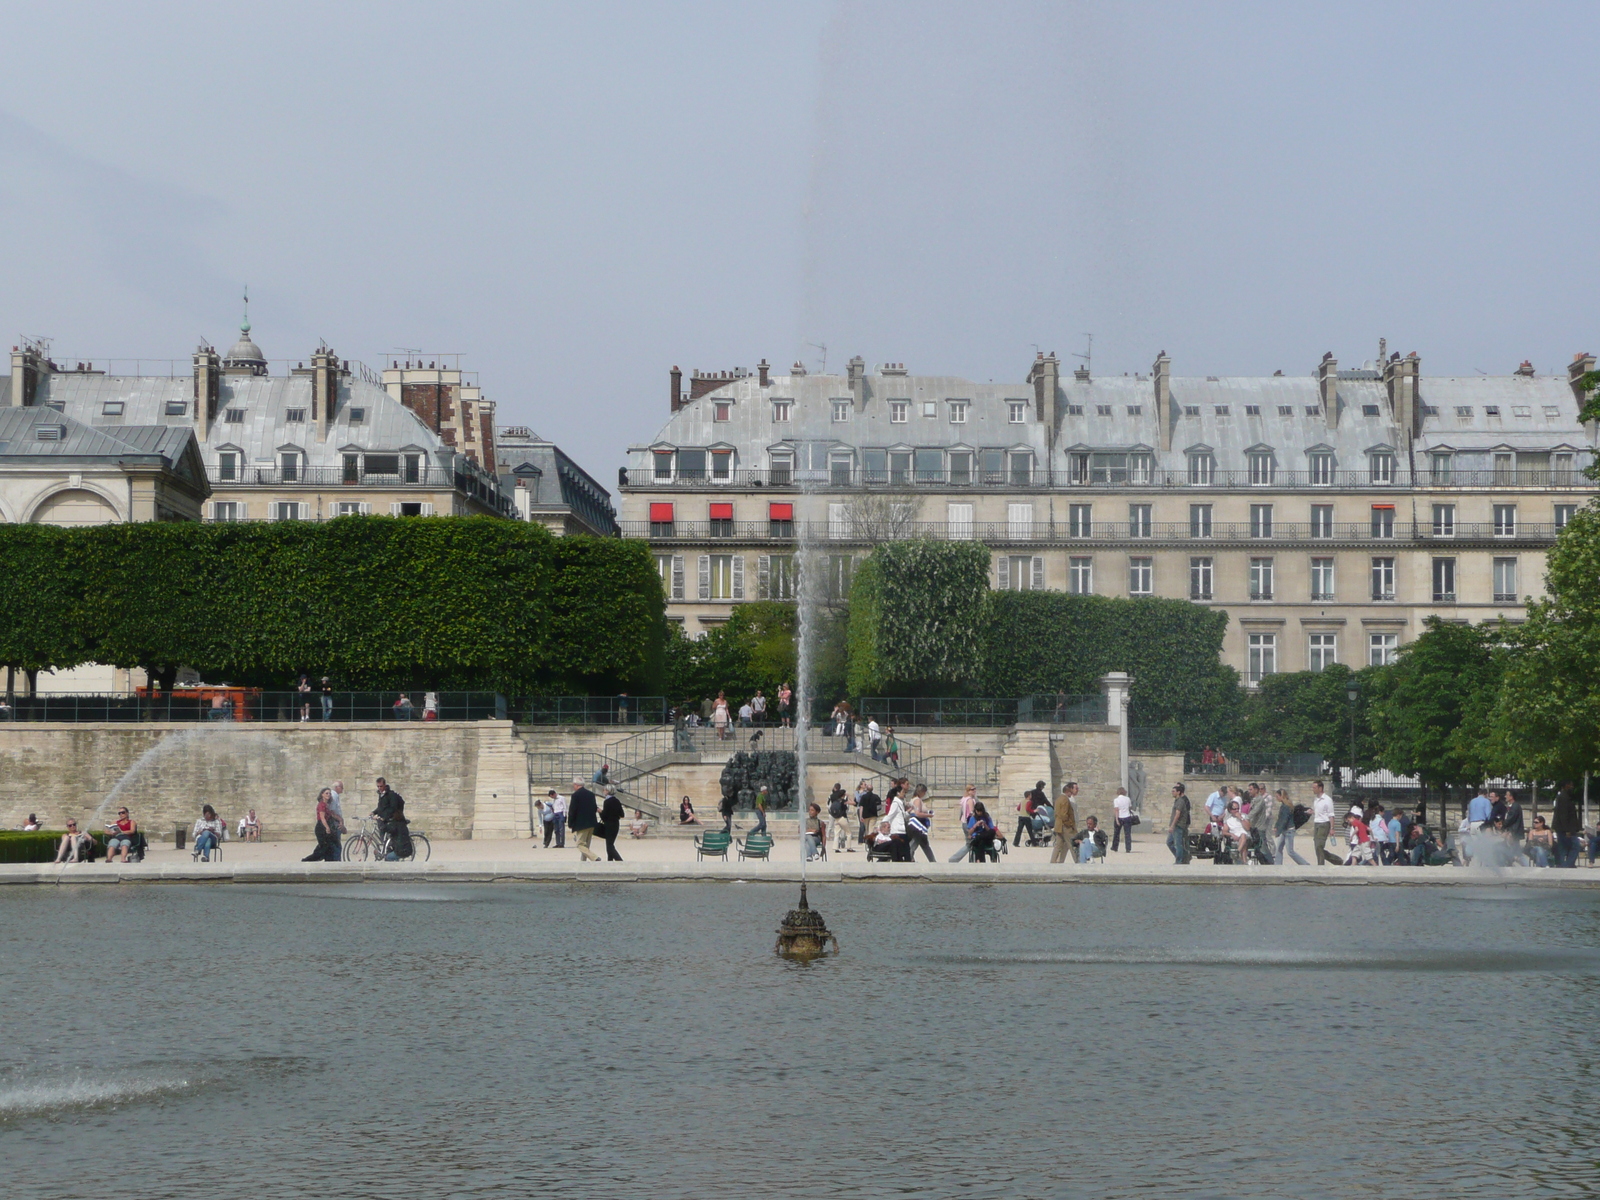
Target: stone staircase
{"x": 500, "y": 804}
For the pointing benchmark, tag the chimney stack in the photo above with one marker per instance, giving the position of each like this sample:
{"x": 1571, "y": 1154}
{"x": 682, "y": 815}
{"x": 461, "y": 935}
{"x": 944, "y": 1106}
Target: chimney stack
{"x": 1526, "y": 369}
{"x": 1401, "y": 376}
{"x": 799, "y": 368}
{"x": 1328, "y": 387}
{"x": 856, "y": 371}
{"x": 207, "y": 389}
{"x": 677, "y": 389}
{"x": 1161, "y": 382}
{"x": 761, "y": 369}
{"x": 1045, "y": 375}
{"x": 324, "y": 389}
{"x": 28, "y": 363}
{"x": 1581, "y": 365}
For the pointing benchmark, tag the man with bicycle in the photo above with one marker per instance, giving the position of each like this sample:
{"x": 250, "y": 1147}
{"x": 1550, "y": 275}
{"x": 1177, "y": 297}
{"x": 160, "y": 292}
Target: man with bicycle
{"x": 391, "y": 817}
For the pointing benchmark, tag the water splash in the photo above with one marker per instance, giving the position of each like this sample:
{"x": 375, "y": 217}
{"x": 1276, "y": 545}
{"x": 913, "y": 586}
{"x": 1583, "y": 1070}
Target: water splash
{"x": 47, "y": 1097}
{"x": 166, "y": 748}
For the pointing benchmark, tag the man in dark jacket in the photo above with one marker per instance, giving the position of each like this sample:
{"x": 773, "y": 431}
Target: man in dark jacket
{"x": 611, "y": 814}
{"x": 582, "y": 817}
{"x": 867, "y": 808}
{"x": 1566, "y": 824}
{"x": 391, "y": 817}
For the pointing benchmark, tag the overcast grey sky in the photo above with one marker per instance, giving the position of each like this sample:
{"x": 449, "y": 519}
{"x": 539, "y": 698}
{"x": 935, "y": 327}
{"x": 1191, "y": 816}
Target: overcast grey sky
{"x": 576, "y": 197}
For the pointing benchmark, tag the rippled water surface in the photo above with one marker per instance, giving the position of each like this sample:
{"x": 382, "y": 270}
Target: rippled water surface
{"x": 641, "y": 1041}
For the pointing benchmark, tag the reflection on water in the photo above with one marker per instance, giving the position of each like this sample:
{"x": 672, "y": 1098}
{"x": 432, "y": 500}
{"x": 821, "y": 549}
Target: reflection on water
{"x": 642, "y": 1041}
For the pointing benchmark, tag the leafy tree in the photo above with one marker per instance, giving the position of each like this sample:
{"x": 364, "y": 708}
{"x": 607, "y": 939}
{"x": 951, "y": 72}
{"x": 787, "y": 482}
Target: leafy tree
{"x": 917, "y": 612}
{"x": 754, "y": 648}
{"x": 1431, "y": 707}
{"x": 1308, "y": 712}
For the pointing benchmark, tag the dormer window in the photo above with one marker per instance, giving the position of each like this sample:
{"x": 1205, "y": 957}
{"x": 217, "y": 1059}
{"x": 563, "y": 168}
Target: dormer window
{"x": 841, "y": 410}
{"x": 782, "y": 411}
{"x": 294, "y": 416}
{"x": 233, "y": 416}
{"x": 1252, "y": 410}
{"x": 1221, "y": 410}
{"x": 1286, "y": 410}
{"x": 357, "y": 416}
{"x": 1135, "y": 409}
{"x": 1202, "y": 467}
{"x": 1521, "y": 410}
{"x": 1191, "y": 410}
{"x": 958, "y": 412}
{"x": 289, "y": 466}
{"x": 722, "y": 465}
{"x": 1102, "y": 410}
{"x": 1262, "y": 467}
{"x": 722, "y": 410}
{"x": 663, "y": 464}
{"x": 1321, "y": 469}
{"x": 899, "y": 411}
{"x": 1491, "y": 410}
{"x": 1382, "y": 467}
{"x": 227, "y": 466}
{"x": 1017, "y": 410}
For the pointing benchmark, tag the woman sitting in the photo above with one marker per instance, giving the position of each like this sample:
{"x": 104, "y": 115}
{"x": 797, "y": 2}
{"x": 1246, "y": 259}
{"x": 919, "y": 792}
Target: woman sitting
{"x": 686, "y": 812}
{"x": 1541, "y": 842}
{"x": 120, "y": 835}
{"x": 983, "y": 834}
{"x": 208, "y": 831}
{"x": 250, "y": 827}
{"x": 31, "y": 825}
{"x": 75, "y": 846}
{"x": 639, "y": 826}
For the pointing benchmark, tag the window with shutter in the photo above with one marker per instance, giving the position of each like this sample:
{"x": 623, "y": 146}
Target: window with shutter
{"x": 677, "y": 577}
{"x": 1038, "y": 573}
{"x": 838, "y": 521}
{"x": 427, "y": 508}
{"x": 705, "y": 577}
{"x": 738, "y": 577}
{"x": 763, "y": 577}
{"x": 394, "y": 508}
{"x": 1003, "y": 574}
{"x": 958, "y": 518}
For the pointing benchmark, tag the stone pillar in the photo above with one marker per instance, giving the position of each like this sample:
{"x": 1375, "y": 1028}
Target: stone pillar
{"x": 1116, "y": 685}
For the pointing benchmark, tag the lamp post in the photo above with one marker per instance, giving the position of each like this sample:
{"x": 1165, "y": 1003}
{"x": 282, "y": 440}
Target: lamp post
{"x": 1353, "y": 692}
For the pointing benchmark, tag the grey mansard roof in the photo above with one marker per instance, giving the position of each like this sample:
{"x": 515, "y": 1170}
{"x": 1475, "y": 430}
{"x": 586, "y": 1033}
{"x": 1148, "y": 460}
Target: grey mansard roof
{"x": 170, "y": 447}
{"x": 265, "y": 401}
{"x": 1536, "y": 413}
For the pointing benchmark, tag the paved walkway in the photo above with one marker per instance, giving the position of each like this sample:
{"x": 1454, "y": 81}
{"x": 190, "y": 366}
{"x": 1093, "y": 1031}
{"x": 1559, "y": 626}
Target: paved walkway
{"x": 673, "y": 859}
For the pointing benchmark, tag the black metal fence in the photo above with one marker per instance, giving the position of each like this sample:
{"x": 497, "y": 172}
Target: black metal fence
{"x": 224, "y": 705}
{"x": 591, "y": 710}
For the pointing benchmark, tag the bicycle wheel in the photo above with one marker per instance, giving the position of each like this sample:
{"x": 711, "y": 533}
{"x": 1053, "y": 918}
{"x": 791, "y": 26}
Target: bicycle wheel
{"x": 355, "y": 848}
{"x": 420, "y": 849}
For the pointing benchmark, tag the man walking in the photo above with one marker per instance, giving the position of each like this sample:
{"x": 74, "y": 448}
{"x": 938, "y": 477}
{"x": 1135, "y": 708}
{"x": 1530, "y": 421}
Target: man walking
{"x": 1322, "y": 826}
{"x": 1178, "y": 835}
{"x": 1262, "y": 811}
{"x": 583, "y": 814}
{"x": 1284, "y": 828}
{"x": 1066, "y": 823}
{"x": 1123, "y": 807}
{"x": 560, "y": 822}
{"x": 547, "y": 817}
{"x": 867, "y": 808}
{"x": 839, "y": 817}
{"x": 1566, "y": 824}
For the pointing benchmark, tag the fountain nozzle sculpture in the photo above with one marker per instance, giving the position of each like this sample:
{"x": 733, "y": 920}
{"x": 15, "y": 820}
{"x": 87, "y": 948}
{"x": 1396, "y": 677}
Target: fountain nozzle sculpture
{"x": 803, "y": 935}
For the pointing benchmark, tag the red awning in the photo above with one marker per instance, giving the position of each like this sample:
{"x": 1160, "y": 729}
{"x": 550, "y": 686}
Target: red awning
{"x": 661, "y": 512}
{"x": 781, "y": 512}
{"x": 1383, "y": 506}
{"x": 722, "y": 512}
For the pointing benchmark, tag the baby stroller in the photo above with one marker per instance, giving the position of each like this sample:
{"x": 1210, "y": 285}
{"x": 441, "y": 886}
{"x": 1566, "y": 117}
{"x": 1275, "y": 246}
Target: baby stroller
{"x": 1042, "y": 829}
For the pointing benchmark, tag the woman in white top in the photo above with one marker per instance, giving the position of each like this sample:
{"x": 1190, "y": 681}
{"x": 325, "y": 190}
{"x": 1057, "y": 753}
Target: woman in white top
{"x": 719, "y": 715}
{"x": 1124, "y": 830}
{"x": 430, "y": 706}
{"x": 208, "y": 832}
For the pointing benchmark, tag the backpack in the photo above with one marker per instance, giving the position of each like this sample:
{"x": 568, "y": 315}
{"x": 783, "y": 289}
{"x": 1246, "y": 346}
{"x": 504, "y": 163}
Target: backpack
{"x": 836, "y": 805}
{"x": 1302, "y": 814}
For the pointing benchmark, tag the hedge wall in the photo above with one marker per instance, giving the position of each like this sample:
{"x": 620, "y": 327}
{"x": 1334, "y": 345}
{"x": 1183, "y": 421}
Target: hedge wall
{"x": 457, "y": 603}
{"x": 40, "y": 846}
{"x": 916, "y": 616}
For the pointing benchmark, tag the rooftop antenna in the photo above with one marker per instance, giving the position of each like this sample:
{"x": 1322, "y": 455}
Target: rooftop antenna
{"x": 1088, "y": 351}
{"x": 824, "y": 349}
{"x": 244, "y": 326}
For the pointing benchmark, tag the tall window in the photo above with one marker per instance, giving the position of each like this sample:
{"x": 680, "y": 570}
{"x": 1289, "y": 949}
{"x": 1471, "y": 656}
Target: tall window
{"x": 839, "y": 523}
{"x": 1505, "y": 581}
{"x": 1261, "y": 520}
{"x": 1199, "y": 579}
{"x": 780, "y": 520}
{"x": 1382, "y": 648}
{"x": 1383, "y": 520}
{"x": 1505, "y": 467}
{"x": 1561, "y": 468}
{"x": 1078, "y": 469}
{"x": 961, "y": 466}
{"x": 839, "y": 466}
{"x": 841, "y": 410}
{"x": 1202, "y": 468}
{"x": 1505, "y": 520}
{"x": 930, "y": 465}
{"x": 1263, "y": 656}
{"x": 1020, "y": 573}
{"x": 899, "y": 411}
{"x": 1383, "y": 579}
{"x": 662, "y": 520}
{"x": 1141, "y": 576}
{"x": 722, "y": 577}
{"x": 1141, "y": 468}
{"x": 227, "y": 466}
{"x": 958, "y": 521}
{"x": 1199, "y": 520}
{"x": 1322, "y": 520}
{"x": 1139, "y": 520}
{"x": 1442, "y": 467}
{"x": 1019, "y": 522}
{"x": 1017, "y": 410}
{"x": 721, "y": 520}
{"x": 286, "y": 510}
{"x": 1322, "y": 579}
{"x": 1022, "y": 467}
{"x": 1324, "y": 651}
{"x": 225, "y": 510}
{"x": 289, "y": 466}
{"x": 671, "y": 568}
{"x": 778, "y": 578}
{"x": 899, "y": 467}
{"x": 1261, "y": 579}
{"x": 1080, "y": 576}
{"x": 1444, "y": 580}
{"x": 840, "y": 568}
{"x": 1444, "y": 520}
{"x": 1564, "y": 513}
{"x": 722, "y": 465}
{"x": 1381, "y": 466}
{"x": 781, "y": 471}
{"x": 1263, "y": 467}
{"x": 1321, "y": 470}
{"x": 1078, "y": 522}
{"x": 691, "y": 464}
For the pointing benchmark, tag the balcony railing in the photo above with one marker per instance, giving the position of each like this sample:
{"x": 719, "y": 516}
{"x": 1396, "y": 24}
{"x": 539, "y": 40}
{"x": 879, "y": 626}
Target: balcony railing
{"x": 327, "y": 477}
{"x": 1107, "y": 532}
{"x": 1038, "y": 479}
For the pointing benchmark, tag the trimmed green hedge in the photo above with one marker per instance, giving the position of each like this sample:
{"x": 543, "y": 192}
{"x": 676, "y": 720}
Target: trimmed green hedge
{"x": 41, "y": 846}
{"x": 454, "y": 603}
{"x": 916, "y": 617}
